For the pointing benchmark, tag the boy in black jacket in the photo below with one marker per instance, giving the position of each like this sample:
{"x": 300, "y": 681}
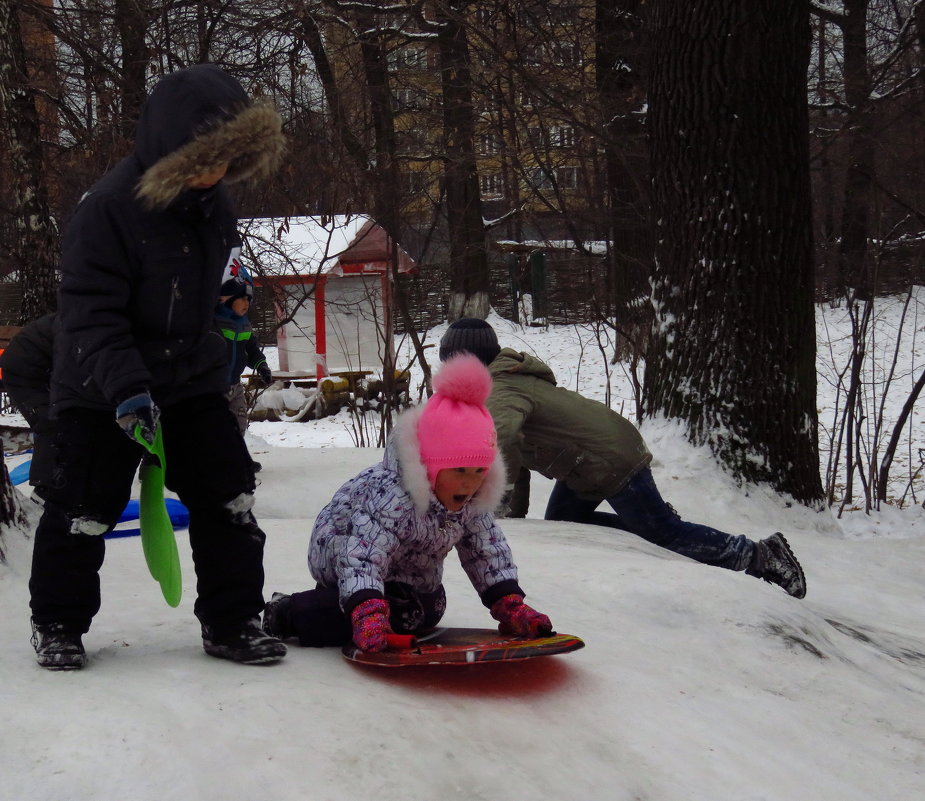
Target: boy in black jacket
{"x": 135, "y": 348}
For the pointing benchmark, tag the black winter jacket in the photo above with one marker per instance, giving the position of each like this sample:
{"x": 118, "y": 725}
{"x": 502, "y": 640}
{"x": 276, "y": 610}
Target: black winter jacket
{"x": 143, "y": 256}
{"x": 26, "y": 365}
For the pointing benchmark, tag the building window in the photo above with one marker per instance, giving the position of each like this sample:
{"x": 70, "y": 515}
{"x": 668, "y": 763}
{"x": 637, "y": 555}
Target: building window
{"x": 533, "y": 54}
{"x": 491, "y": 185}
{"x": 566, "y": 54}
{"x": 415, "y": 182}
{"x": 408, "y": 142}
{"x": 563, "y": 136}
{"x": 562, "y": 54}
{"x": 410, "y": 98}
{"x": 409, "y": 57}
{"x": 567, "y": 177}
{"x": 536, "y": 136}
{"x": 540, "y": 178}
{"x": 488, "y": 144}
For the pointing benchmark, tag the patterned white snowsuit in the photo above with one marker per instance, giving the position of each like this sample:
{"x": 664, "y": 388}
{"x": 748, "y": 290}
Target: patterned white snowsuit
{"x": 386, "y": 525}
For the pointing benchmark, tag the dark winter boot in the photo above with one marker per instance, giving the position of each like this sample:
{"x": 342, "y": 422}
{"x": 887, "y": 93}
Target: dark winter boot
{"x": 774, "y": 562}
{"x": 248, "y": 644}
{"x": 57, "y": 648}
{"x": 276, "y": 619}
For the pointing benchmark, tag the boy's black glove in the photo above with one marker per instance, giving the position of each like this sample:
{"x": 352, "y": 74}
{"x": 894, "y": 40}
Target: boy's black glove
{"x": 266, "y": 375}
{"x": 138, "y": 410}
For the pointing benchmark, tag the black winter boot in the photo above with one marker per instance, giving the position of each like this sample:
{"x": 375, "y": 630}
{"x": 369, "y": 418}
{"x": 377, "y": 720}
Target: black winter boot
{"x": 57, "y": 647}
{"x": 248, "y": 644}
{"x": 276, "y": 619}
{"x": 774, "y": 562}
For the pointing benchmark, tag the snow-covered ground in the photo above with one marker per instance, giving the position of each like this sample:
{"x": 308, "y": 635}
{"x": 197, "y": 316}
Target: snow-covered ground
{"x": 696, "y": 684}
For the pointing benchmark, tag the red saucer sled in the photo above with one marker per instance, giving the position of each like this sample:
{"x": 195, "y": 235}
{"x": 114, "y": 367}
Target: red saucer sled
{"x": 458, "y": 646}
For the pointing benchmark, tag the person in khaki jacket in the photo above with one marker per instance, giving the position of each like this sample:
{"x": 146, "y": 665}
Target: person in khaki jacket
{"x": 596, "y": 455}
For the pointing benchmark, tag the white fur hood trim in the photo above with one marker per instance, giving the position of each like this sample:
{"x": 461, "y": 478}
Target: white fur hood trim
{"x": 404, "y": 442}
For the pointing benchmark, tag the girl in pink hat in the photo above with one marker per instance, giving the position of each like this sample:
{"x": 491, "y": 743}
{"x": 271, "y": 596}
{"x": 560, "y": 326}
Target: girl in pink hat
{"x": 377, "y": 549}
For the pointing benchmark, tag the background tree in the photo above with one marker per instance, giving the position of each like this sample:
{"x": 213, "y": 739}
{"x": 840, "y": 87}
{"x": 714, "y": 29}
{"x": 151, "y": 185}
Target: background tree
{"x": 867, "y": 119}
{"x": 34, "y": 244}
{"x": 733, "y": 346}
{"x": 546, "y": 114}
{"x": 469, "y": 284}
{"x": 621, "y": 54}
{"x": 867, "y": 116}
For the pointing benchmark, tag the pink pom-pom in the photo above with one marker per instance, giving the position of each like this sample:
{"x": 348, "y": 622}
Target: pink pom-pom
{"x": 464, "y": 378}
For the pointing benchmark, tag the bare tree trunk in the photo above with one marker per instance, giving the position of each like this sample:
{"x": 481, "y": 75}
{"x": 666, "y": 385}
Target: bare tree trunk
{"x": 733, "y": 346}
{"x": 887, "y": 461}
{"x": 619, "y": 56}
{"x": 311, "y": 34}
{"x": 469, "y": 280}
{"x": 387, "y": 183}
{"x": 854, "y": 269}
{"x": 918, "y": 14}
{"x": 36, "y": 243}
{"x": 132, "y": 23}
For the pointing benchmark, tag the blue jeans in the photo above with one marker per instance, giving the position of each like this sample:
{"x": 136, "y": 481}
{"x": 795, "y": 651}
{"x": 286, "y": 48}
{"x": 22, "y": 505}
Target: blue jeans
{"x": 641, "y": 510}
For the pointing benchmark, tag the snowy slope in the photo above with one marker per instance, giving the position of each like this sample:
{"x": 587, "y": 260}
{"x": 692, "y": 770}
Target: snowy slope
{"x": 697, "y": 684}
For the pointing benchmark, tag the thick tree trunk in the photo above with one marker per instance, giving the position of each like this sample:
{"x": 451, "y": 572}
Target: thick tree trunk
{"x": 132, "y": 23}
{"x": 387, "y": 180}
{"x": 35, "y": 247}
{"x": 469, "y": 281}
{"x": 315, "y": 42}
{"x": 854, "y": 267}
{"x": 619, "y": 57}
{"x": 733, "y": 350}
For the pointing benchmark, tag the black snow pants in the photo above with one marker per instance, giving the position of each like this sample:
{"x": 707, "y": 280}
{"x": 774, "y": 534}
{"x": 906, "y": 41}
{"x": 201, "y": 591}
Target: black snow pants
{"x": 209, "y": 468}
{"x": 317, "y": 619}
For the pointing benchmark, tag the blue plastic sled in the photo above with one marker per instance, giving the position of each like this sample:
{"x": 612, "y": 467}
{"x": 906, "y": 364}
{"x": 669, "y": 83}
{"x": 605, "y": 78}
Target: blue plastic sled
{"x": 178, "y": 513}
{"x": 20, "y": 473}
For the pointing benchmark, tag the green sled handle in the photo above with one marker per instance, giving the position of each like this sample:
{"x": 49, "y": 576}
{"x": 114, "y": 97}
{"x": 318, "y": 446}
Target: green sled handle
{"x": 157, "y": 538}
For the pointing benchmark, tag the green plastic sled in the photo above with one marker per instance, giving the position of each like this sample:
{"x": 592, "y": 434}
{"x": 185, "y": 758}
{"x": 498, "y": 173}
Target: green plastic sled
{"x": 157, "y": 538}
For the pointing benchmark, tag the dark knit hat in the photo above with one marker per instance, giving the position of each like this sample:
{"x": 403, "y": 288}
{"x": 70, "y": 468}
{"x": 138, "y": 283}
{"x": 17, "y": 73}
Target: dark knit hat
{"x": 236, "y": 282}
{"x": 470, "y": 335}
{"x": 235, "y": 288}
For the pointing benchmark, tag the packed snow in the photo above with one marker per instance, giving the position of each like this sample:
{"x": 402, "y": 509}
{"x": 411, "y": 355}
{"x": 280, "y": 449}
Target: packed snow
{"x": 696, "y": 683}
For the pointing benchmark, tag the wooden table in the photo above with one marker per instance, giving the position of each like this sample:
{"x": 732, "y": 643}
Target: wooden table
{"x": 353, "y": 377}
{"x": 289, "y": 378}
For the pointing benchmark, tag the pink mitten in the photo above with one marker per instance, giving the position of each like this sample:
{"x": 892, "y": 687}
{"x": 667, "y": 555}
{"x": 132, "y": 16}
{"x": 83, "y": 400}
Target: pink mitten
{"x": 515, "y": 617}
{"x": 371, "y": 628}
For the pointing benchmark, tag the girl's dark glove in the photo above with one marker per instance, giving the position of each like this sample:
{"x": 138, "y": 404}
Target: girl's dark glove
{"x": 138, "y": 410}
{"x": 515, "y": 617}
{"x": 370, "y": 621}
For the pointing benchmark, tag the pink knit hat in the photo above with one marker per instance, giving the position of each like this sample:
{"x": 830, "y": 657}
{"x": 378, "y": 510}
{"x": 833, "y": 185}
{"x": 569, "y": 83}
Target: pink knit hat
{"x": 455, "y": 429}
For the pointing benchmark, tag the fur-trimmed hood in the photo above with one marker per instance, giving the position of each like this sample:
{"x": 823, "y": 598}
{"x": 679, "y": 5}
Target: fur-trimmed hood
{"x": 403, "y": 456}
{"x": 195, "y": 120}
